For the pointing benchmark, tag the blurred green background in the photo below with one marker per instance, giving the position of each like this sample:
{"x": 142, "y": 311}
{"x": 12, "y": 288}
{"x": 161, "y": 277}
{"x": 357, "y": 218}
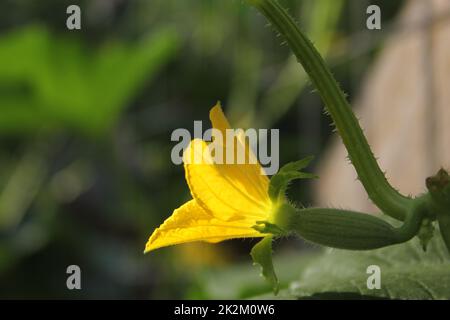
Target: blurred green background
{"x": 85, "y": 124}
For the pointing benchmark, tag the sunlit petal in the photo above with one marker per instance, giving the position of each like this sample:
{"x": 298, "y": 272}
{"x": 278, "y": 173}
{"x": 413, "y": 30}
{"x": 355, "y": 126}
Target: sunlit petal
{"x": 191, "y": 223}
{"x": 226, "y": 191}
{"x": 253, "y": 170}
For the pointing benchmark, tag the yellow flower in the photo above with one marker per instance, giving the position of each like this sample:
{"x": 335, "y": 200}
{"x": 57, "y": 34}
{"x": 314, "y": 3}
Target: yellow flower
{"x": 228, "y": 199}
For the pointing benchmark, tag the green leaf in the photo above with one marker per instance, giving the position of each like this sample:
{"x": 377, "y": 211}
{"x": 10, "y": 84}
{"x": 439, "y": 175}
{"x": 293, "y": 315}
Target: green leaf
{"x": 262, "y": 255}
{"x": 291, "y": 171}
{"x": 406, "y": 273}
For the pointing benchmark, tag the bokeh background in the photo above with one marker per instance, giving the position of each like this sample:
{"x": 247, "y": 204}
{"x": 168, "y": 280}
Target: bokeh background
{"x": 85, "y": 124}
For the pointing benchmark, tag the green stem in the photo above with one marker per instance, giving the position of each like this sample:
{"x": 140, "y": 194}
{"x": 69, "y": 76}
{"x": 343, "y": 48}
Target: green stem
{"x": 389, "y": 200}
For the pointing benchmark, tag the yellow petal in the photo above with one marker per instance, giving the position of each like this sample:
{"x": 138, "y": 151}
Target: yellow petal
{"x": 220, "y": 122}
{"x": 191, "y": 223}
{"x": 218, "y": 119}
{"x": 226, "y": 191}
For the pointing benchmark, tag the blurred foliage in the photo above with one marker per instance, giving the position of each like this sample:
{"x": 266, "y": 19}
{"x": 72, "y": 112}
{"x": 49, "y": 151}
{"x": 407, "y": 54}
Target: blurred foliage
{"x": 85, "y": 124}
{"x": 243, "y": 281}
{"x": 60, "y": 83}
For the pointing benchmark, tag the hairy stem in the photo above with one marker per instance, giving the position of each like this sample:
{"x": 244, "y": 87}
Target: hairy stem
{"x": 389, "y": 200}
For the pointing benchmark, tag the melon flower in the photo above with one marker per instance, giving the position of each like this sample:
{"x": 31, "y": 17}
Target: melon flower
{"x": 228, "y": 199}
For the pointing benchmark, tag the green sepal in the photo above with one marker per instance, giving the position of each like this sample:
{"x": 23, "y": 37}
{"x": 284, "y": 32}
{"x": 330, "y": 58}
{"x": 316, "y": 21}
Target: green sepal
{"x": 444, "y": 227}
{"x": 268, "y": 227}
{"x": 291, "y": 171}
{"x": 262, "y": 254}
